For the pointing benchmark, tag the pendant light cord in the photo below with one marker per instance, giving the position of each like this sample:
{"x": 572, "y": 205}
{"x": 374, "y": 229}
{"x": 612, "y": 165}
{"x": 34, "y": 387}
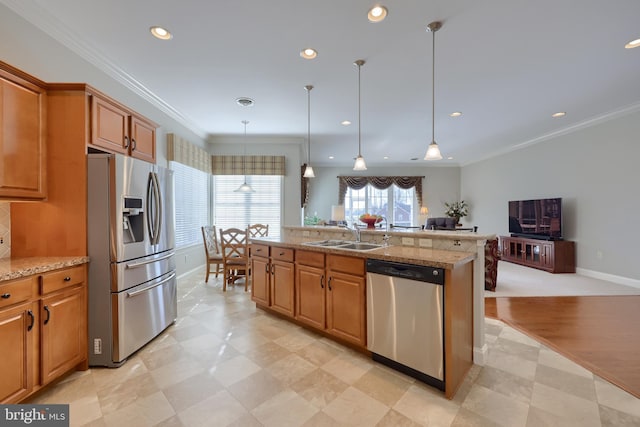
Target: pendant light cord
{"x": 244, "y": 157}
{"x": 433, "y": 89}
{"x": 308, "y": 88}
{"x": 359, "y": 145}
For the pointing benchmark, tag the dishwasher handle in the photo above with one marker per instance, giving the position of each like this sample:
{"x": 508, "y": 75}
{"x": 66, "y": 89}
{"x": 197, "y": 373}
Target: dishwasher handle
{"x": 420, "y": 273}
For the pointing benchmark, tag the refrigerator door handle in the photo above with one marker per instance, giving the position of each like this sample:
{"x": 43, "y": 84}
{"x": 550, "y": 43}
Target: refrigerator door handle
{"x": 154, "y": 208}
{"x": 149, "y": 261}
{"x": 159, "y": 212}
{"x": 146, "y": 288}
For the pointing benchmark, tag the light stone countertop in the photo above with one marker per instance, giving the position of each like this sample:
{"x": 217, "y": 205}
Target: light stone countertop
{"x": 14, "y": 268}
{"x": 406, "y": 254}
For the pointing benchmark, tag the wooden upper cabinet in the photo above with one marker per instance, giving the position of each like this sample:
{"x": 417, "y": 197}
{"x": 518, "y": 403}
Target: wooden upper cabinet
{"x": 119, "y": 130}
{"x": 22, "y": 136}
{"x": 109, "y": 126}
{"x": 143, "y": 139}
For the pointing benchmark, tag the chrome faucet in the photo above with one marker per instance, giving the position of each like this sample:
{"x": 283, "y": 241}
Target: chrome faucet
{"x": 355, "y": 230}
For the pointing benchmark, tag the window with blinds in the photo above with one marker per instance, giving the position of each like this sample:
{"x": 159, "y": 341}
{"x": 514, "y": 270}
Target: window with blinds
{"x": 191, "y": 203}
{"x": 397, "y": 205}
{"x": 231, "y": 209}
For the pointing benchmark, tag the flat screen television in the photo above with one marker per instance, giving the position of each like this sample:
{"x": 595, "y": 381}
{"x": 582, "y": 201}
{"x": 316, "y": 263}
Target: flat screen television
{"x": 538, "y": 218}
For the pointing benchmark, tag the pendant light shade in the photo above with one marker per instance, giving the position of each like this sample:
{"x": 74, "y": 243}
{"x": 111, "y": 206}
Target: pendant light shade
{"x": 359, "y": 165}
{"x": 308, "y": 171}
{"x": 245, "y": 188}
{"x": 433, "y": 152}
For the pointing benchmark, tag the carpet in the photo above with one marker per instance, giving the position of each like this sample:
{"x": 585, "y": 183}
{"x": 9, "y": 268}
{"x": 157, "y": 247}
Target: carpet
{"x": 519, "y": 281}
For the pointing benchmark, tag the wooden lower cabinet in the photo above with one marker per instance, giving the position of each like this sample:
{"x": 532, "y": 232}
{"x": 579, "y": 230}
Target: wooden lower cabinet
{"x": 331, "y": 295}
{"x": 43, "y": 334}
{"x": 18, "y": 339}
{"x": 63, "y": 331}
{"x": 272, "y": 278}
{"x": 260, "y": 277}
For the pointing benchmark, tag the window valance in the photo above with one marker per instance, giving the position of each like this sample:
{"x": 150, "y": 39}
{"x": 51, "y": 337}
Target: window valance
{"x": 248, "y": 165}
{"x": 379, "y": 182}
{"x": 182, "y": 151}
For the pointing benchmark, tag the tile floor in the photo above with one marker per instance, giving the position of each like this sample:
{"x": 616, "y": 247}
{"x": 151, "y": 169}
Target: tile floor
{"x": 225, "y": 363}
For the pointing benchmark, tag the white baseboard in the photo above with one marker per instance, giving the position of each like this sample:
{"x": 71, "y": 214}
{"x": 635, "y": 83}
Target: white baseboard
{"x": 609, "y": 277}
{"x": 480, "y": 355}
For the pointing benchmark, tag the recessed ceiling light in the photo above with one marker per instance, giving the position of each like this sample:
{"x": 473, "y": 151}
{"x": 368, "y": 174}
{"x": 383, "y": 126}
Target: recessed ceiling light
{"x": 308, "y": 53}
{"x": 345, "y": 123}
{"x": 386, "y": 157}
{"x": 331, "y": 157}
{"x": 245, "y": 102}
{"x": 632, "y": 44}
{"x": 161, "y": 33}
{"x": 449, "y": 158}
{"x": 377, "y": 13}
{"x": 456, "y": 114}
{"x": 559, "y": 114}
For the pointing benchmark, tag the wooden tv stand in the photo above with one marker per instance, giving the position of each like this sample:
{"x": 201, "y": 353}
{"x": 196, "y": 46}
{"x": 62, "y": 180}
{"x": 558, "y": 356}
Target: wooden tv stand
{"x": 554, "y": 256}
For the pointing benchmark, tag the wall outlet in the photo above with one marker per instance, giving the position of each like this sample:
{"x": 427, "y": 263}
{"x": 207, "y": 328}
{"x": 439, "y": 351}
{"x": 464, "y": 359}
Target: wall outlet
{"x": 97, "y": 346}
{"x": 425, "y": 243}
{"x": 408, "y": 241}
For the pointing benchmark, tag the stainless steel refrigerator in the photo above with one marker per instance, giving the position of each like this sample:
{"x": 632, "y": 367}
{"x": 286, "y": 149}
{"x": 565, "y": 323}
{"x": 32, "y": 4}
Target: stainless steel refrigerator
{"x": 131, "y": 238}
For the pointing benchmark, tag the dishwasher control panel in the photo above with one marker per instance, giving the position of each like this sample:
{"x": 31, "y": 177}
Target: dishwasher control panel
{"x": 409, "y": 271}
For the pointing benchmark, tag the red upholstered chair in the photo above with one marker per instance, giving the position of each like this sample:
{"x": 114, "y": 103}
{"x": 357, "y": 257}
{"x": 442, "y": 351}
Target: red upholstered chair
{"x": 491, "y": 258}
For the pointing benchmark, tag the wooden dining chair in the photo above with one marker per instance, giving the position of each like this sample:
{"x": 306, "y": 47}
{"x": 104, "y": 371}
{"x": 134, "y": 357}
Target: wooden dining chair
{"x": 258, "y": 230}
{"x": 235, "y": 256}
{"x": 212, "y": 251}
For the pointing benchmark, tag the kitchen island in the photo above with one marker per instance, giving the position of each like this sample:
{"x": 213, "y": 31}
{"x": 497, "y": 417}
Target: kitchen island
{"x": 325, "y": 287}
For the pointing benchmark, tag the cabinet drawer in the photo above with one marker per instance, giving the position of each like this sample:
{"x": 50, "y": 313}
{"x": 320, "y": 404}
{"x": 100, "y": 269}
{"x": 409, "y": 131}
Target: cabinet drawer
{"x": 312, "y": 259}
{"x": 259, "y": 250}
{"x": 282, "y": 254}
{"x": 17, "y": 291}
{"x": 346, "y": 264}
{"x": 61, "y": 279}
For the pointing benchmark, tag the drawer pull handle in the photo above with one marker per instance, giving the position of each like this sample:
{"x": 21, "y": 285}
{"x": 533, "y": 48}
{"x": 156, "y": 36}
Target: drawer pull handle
{"x": 329, "y": 283}
{"x": 281, "y": 253}
{"x": 322, "y": 281}
{"x": 126, "y": 141}
{"x": 33, "y": 319}
{"x": 46, "y": 308}
{"x": 67, "y": 279}
{"x": 6, "y": 295}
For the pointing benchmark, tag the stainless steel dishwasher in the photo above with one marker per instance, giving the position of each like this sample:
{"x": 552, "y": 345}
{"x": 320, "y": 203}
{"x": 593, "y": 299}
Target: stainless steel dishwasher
{"x": 405, "y": 318}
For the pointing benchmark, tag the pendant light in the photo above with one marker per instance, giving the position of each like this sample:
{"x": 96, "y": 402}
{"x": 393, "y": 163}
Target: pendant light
{"x": 359, "y": 165}
{"x": 433, "y": 152}
{"x": 245, "y": 188}
{"x": 308, "y": 171}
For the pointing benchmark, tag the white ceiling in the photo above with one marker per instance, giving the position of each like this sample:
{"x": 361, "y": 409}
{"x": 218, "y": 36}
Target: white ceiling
{"x": 507, "y": 65}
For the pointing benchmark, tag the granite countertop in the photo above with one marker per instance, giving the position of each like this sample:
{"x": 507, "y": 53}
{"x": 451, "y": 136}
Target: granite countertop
{"x": 407, "y": 254}
{"x": 426, "y": 234}
{"x": 14, "y": 268}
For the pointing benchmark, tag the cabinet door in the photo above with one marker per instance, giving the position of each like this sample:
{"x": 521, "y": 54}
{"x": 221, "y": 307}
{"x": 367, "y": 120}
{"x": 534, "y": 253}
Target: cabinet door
{"x": 109, "y": 126}
{"x": 546, "y": 257}
{"x": 282, "y": 282}
{"x": 260, "y": 274}
{"x": 63, "y": 331}
{"x": 346, "y": 307}
{"x": 143, "y": 140}
{"x": 310, "y": 295}
{"x": 22, "y": 139}
{"x": 18, "y": 333}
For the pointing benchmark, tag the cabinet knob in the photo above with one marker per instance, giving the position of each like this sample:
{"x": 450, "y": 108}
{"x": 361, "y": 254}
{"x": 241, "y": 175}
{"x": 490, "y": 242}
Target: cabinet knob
{"x": 6, "y": 295}
{"x": 67, "y": 279}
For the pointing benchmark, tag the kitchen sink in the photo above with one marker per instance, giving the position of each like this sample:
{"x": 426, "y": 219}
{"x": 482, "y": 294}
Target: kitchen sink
{"x": 329, "y": 243}
{"x": 345, "y": 244}
{"x": 360, "y": 246}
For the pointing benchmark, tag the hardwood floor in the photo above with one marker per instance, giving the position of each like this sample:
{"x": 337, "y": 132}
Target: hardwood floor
{"x": 600, "y": 333}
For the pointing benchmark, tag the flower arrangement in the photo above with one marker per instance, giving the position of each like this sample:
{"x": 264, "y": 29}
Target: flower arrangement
{"x": 457, "y": 209}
